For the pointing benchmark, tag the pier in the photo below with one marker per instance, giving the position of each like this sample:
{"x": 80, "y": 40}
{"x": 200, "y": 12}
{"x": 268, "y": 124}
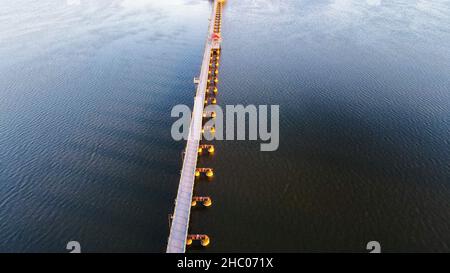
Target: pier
{"x": 205, "y": 94}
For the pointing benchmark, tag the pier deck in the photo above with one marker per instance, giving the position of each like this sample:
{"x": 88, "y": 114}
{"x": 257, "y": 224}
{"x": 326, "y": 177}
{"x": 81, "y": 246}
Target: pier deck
{"x": 180, "y": 219}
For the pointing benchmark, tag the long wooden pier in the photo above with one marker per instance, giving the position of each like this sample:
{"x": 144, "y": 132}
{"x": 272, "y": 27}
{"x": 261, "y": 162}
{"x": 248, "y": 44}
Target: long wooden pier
{"x": 179, "y": 237}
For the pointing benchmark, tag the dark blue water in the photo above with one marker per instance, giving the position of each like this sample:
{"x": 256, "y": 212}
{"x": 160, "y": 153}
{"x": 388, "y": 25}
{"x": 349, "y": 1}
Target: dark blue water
{"x": 364, "y": 92}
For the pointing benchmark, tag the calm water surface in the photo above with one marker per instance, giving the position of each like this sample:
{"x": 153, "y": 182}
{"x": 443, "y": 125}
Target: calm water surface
{"x": 364, "y": 92}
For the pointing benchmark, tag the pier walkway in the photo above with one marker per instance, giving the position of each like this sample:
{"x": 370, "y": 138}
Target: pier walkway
{"x": 180, "y": 219}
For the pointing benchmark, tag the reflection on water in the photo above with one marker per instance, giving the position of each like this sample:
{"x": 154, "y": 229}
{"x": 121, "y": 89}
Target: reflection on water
{"x": 364, "y": 94}
{"x": 86, "y": 94}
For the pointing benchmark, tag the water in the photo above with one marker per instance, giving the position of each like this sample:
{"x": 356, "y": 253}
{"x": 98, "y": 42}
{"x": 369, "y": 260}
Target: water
{"x": 364, "y": 95}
